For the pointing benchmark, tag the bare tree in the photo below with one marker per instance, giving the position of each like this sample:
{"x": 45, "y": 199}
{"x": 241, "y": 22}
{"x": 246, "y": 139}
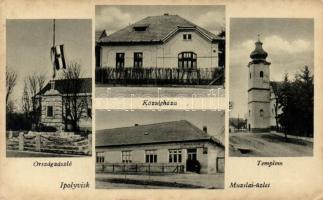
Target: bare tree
{"x": 30, "y": 102}
{"x": 11, "y": 80}
{"x": 75, "y": 102}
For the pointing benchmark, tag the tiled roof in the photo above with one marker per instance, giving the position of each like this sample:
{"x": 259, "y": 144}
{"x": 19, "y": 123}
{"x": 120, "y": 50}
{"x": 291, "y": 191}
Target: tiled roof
{"x": 166, "y": 132}
{"x": 85, "y": 86}
{"x": 159, "y": 29}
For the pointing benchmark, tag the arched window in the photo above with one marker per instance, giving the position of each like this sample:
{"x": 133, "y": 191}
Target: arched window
{"x": 249, "y": 113}
{"x": 261, "y": 112}
{"x": 261, "y": 74}
{"x": 187, "y": 60}
{"x": 250, "y": 75}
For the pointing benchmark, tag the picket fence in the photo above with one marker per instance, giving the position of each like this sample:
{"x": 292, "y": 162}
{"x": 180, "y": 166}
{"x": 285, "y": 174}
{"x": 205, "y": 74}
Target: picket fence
{"x": 159, "y": 76}
{"x": 139, "y": 168}
{"x": 50, "y": 142}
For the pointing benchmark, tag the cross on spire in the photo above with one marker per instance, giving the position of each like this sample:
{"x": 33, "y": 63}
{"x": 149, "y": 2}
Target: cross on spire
{"x": 258, "y": 35}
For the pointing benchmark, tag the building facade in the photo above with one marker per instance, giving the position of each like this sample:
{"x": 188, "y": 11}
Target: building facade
{"x": 263, "y": 107}
{"x": 177, "y": 143}
{"x": 58, "y": 99}
{"x": 259, "y": 110}
{"x": 167, "y": 41}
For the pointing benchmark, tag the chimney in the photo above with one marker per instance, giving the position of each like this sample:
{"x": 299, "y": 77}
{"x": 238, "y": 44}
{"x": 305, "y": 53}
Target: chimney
{"x": 205, "y": 129}
{"x": 136, "y": 124}
{"x": 52, "y": 84}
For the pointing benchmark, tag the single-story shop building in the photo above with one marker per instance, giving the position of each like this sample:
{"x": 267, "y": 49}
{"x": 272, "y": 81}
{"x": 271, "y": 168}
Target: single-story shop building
{"x": 166, "y": 144}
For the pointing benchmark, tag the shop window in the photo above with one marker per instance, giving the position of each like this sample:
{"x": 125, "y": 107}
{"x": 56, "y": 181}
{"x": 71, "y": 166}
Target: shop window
{"x": 175, "y": 155}
{"x": 126, "y": 156}
{"x": 100, "y": 157}
{"x": 151, "y": 156}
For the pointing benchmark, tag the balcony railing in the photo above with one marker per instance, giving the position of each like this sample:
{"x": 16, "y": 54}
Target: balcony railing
{"x": 159, "y": 76}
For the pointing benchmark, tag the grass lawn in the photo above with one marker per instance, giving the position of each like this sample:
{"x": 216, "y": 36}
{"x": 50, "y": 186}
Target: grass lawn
{"x": 132, "y": 181}
{"x": 104, "y": 91}
{"x": 268, "y": 145}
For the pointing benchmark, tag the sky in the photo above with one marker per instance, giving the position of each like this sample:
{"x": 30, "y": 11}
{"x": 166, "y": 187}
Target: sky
{"x": 29, "y": 41}
{"x": 214, "y": 120}
{"x": 113, "y": 18}
{"x": 288, "y": 42}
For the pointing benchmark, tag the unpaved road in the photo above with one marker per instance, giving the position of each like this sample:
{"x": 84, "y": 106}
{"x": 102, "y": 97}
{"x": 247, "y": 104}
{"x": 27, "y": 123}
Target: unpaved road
{"x": 268, "y": 145}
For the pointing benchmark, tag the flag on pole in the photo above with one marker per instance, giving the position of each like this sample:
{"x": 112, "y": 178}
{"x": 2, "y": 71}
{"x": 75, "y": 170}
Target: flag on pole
{"x": 58, "y": 56}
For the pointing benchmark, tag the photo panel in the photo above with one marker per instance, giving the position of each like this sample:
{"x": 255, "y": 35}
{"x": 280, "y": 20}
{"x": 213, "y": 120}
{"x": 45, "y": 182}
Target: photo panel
{"x": 271, "y": 87}
{"x": 49, "y": 87}
{"x": 178, "y": 49}
{"x": 160, "y": 149}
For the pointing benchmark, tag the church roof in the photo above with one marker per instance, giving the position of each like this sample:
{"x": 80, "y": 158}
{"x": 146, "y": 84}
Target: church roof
{"x": 259, "y": 54}
{"x": 84, "y": 86}
{"x": 165, "y": 132}
{"x": 156, "y": 29}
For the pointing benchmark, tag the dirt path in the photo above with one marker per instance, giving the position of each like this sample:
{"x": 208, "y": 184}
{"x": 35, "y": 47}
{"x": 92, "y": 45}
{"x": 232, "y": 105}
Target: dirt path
{"x": 268, "y": 145}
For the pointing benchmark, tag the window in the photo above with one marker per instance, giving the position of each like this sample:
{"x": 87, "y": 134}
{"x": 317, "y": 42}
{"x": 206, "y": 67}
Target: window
{"x": 119, "y": 60}
{"x": 100, "y": 157}
{"x": 151, "y": 156}
{"x": 261, "y": 112}
{"x": 187, "y": 60}
{"x": 126, "y": 156}
{"x": 49, "y": 111}
{"x": 261, "y": 74}
{"x": 191, "y": 154}
{"x": 175, "y": 155}
{"x": 137, "y": 60}
{"x": 187, "y": 36}
{"x": 249, "y": 113}
{"x": 89, "y": 112}
{"x": 250, "y": 75}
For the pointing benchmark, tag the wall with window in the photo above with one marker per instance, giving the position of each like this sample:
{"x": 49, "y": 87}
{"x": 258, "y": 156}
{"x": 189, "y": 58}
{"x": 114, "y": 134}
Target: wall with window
{"x": 166, "y": 153}
{"x": 165, "y": 55}
{"x": 206, "y": 52}
{"x": 258, "y": 119}
{"x": 51, "y": 111}
{"x": 259, "y": 76}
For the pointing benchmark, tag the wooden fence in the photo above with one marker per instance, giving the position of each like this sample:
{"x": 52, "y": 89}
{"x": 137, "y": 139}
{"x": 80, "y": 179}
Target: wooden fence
{"x": 50, "y": 143}
{"x": 159, "y": 76}
{"x": 139, "y": 168}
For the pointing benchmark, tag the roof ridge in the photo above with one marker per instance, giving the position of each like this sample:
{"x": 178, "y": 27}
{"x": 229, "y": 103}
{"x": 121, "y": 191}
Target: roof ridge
{"x": 141, "y": 125}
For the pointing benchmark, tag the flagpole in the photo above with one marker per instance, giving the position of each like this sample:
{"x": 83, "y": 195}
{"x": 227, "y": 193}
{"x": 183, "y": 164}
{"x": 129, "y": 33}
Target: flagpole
{"x": 52, "y": 50}
{"x": 53, "y": 32}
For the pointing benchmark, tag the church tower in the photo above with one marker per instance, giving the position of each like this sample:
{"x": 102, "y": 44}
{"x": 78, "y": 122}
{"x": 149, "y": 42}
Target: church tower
{"x": 258, "y": 91}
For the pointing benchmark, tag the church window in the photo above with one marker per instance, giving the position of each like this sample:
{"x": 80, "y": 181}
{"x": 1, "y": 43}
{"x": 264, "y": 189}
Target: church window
{"x": 261, "y": 112}
{"x": 249, "y": 112}
{"x": 250, "y": 75}
{"x": 261, "y": 74}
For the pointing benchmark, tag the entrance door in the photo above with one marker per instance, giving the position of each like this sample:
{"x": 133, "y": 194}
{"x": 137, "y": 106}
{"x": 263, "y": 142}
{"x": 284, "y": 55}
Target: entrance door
{"x": 191, "y": 162}
{"x": 249, "y": 128}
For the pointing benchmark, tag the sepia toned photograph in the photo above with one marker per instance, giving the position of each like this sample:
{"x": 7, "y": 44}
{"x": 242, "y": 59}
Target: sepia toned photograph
{"x": 48, "y": 88}
{"x": 178, "y": 49}
{"x": 271, "y": 87}
{"x": 159, "y": 149}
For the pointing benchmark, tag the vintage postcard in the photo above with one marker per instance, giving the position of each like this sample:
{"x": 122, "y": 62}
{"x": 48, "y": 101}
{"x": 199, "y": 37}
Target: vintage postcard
{"x": 108, "y": 99}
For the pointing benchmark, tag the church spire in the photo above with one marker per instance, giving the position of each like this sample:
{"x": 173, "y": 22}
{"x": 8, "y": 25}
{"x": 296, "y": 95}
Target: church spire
{"x": 259, "y": 54}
